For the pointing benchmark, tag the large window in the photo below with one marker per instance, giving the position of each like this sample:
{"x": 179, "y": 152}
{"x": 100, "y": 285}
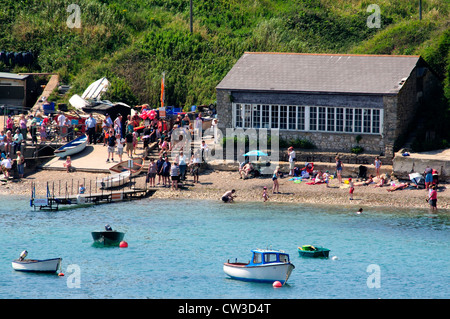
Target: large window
{"x": 308, "y": 118}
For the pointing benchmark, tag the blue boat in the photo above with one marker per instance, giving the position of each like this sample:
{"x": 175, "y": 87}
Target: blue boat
{"x": 265, "y": 266}
{"x": 73, "y": 147}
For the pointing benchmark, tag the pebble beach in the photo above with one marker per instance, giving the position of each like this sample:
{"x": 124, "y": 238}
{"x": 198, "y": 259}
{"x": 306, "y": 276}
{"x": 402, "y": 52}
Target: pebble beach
{"x": 213, "y": 183}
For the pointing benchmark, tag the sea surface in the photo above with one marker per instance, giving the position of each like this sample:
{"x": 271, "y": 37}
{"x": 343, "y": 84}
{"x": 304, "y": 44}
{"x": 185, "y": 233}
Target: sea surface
{"x": 176, "y": 249}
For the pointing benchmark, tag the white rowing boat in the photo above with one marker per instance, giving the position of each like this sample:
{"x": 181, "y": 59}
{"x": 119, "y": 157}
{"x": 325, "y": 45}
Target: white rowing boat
{"x": 73, "y": 147}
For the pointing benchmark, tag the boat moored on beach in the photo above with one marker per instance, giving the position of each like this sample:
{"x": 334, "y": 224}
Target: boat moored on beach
{"x": 73, "y": 147}
{"x": 114, "y": 180}
{"x": 32, "y": 265}
{"x": 265, "y": 266}
{"x": 134, "y": 165}
{"x": 313, "y": 251}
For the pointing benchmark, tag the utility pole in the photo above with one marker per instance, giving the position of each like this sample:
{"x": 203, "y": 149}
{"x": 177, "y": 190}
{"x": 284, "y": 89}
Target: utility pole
{"x": 420, "y": 9}
{"x": 190, "y": 17}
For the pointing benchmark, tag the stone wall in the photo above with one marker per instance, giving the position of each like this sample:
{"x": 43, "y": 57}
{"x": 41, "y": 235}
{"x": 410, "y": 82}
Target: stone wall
{"x": 335, "y": 142}
{"x": 223, "y": 109}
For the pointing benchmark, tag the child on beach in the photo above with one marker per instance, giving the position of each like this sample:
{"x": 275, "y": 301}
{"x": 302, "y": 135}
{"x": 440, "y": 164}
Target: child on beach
{"x": 432, "y": 197}
{"x": 68, "y": 164}
{"x": 377, "y": 165}
{"x": 264, "y": 195}
{"x": 352, "y": 188}
{"x": 120, "y": 143}
{"x": 111, "y": 146}
{"x": 326, "y": 177}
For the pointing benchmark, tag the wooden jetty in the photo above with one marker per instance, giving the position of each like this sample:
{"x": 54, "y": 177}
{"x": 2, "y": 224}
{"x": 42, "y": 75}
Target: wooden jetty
{"x": 52, "y": 201}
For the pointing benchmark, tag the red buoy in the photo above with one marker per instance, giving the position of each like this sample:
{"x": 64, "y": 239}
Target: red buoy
{"x": 60, "y": 274}
{"x": 123, "y": 244}
{"x": 277, "y": 284}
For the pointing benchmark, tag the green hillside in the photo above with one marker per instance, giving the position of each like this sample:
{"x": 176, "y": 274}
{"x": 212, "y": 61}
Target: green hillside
{"x": 133, "y": 42}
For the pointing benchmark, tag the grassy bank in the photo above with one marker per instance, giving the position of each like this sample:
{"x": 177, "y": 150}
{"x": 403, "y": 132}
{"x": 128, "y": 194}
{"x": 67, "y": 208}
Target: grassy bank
{"x": 132, "y": 42}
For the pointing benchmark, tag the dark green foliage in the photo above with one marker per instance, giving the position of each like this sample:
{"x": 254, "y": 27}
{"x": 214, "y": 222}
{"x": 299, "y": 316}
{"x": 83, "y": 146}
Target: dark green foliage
{"x": 132, "y": 42}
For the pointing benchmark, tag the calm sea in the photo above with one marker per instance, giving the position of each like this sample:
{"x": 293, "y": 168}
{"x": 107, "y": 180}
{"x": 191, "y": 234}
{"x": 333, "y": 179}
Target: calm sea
{"x": 177, "y": 248}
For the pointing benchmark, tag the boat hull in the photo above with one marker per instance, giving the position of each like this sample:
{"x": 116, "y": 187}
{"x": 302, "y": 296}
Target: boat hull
{"x": 115, "y": 180}
{"x": 319, "y": 253}
{"x": 262, "y": 273}
{"x": 137, "y": 165}
{"x": 108, "y": 238}
{"x": 44, "y": 266}
{"x": 73, "y": 147}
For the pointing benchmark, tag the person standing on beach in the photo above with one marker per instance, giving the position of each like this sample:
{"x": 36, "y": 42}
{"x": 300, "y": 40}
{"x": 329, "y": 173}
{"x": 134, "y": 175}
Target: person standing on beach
{"x": 165, "y": 170}
{"x": 61, "y": 120}
{"x": 339, "y": 167}
{"x": 151, "y": 173}
{"x": 175, "y": 175}
{"x": 291, "y": 153}
{"x": 432, "y": 197}
{"x": 275, "y": 177}
{"x": 352, "y": 188}
{"x": 159, "y": 165}
{"x": 20, "y": 160}
{"x": 120, "y": 142}
{"x": 182, "y": 162}
{"x": 91, "y": 122}
{"x": 111, "y": 145}
{"x": 377, "y": 165}
{"x": 195, "y": 164}
{"x": 428, "y": 177}
{"x": 118, "y": 125}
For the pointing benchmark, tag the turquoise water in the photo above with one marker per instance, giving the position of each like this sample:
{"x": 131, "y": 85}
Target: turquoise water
{"x": 177, "y": 248}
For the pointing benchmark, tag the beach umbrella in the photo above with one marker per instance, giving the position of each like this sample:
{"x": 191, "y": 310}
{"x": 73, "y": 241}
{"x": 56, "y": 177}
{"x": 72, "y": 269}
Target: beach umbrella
{"x": 255, "y": 153}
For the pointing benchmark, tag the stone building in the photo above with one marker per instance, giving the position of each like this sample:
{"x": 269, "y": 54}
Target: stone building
{"x": 13, "y": 89}
{"x": 332, "y": 100}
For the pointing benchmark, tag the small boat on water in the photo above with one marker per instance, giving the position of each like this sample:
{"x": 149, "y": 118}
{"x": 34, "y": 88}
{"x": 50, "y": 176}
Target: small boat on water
{"x": 32, "y": 265}
{"x": 114, "y": 180}
{"x": 73, "y": 147}
{"x": 134, "y": 165}
{"x": 108, "y": 237}
{"x": 313, "y": 251}
{"x": 265, "y": 266}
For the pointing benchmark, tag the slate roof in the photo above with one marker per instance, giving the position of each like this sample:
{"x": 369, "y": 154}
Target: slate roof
{"x": 326, "y": 73}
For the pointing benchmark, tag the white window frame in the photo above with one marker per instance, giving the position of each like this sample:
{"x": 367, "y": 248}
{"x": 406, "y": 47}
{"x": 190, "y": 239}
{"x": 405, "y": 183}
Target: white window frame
{"x": 356, "y": 112}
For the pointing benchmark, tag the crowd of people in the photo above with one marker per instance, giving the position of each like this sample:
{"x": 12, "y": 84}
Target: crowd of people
{"x": 314, "y": 177}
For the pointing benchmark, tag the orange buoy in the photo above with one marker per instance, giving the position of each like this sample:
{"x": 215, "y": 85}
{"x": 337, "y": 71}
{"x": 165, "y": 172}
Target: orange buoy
{"x": 123, "y": 244}
{"x": 60, "y": 274}
{"x": 277, "y": 284}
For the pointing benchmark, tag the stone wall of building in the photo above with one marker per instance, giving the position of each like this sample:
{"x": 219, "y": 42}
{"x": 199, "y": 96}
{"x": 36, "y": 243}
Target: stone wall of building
{"x": 334, "y": 142}
{"x": 223, "y": 109}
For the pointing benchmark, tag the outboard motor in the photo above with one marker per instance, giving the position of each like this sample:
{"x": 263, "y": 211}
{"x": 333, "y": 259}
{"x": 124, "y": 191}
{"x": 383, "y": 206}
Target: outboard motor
{"x": 23, "y": 254}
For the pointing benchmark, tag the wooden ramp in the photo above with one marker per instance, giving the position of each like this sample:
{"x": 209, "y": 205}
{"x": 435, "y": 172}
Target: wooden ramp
{"x": 107, "y": 196}
{"x": 49, "y": 88}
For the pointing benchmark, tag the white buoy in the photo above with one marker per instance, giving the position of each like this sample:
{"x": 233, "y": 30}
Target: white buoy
{"x": 334, "y": 258}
